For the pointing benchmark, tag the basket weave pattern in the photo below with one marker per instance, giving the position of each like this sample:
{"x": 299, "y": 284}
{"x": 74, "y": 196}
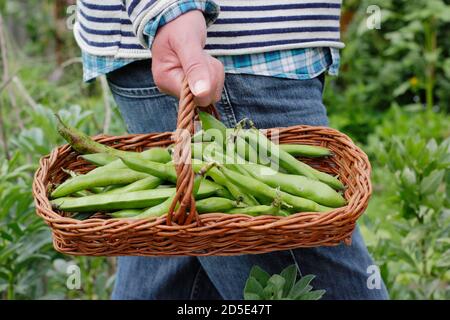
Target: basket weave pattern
{"x": 219, "y": 233}
{"x": 187, "y": 233}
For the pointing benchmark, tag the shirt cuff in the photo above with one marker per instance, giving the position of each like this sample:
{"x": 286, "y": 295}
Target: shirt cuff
{"x": 333, "y": 69}
{"x": 209, "y": 8}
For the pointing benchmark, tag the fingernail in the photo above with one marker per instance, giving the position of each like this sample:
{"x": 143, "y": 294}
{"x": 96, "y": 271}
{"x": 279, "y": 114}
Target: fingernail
{"x": 200, "y": 87}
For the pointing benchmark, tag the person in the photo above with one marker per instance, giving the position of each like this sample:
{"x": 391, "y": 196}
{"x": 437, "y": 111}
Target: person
{"x": 263, "y": 60}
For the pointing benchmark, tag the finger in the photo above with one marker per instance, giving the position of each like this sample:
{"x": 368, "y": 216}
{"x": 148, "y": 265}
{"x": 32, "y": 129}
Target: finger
{"x": 205, "y": 98}
{"x": 195, "y": 66}
{"x": 217, "y": 75}
{"x": 167, "y": 80}
{"x": 219, "y": 78}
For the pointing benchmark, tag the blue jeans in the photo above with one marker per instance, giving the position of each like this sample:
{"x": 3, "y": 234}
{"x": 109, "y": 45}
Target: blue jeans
{"x": 269, "y": 102}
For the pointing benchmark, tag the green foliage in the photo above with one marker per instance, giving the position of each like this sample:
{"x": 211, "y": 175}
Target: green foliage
{"x": 261, "y": 286}
{"x": 391, "y": 97}
{"x": 24, "y": 240}
{"x": 45, "y": 29}
{"x": 408, "y": 228}
{"x": 412, "y": 119}
{"x": 405, "y": 62}
{"x": 29, "y": 266}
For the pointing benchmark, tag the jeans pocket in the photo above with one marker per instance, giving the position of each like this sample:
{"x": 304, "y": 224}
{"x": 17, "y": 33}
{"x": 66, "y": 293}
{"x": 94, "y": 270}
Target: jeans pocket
{"x": 145, "y": 109}
{"x": 135, "y": 92}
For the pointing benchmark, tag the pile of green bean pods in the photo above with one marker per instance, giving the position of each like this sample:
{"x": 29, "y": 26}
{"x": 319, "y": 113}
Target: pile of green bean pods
{"x": 237, "y": 171}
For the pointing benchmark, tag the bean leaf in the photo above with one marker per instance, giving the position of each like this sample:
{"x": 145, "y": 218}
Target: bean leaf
{"x": 301, "y": 286}
{"x": 253, "y": 289}
{"x": 431, "y": 183}
{"x": 290, "y": 275}
{"x": 312, "y": 295}
{"x": 444, "y": 260}
{"x": 251, "y": 296}
{"x": 260, "y": 275}
{"x": 274, "y": 288}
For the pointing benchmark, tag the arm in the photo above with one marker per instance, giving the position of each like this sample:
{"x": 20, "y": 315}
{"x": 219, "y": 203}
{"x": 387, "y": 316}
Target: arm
{"x": 176, "y": 33}
{"x": 140, "y": 12}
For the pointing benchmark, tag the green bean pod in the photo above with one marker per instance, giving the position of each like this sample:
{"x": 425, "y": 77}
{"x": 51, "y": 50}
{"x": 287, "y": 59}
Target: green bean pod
{"x": 284, "y": 213}
{"x": 165, "y": 186}
{"x": 297, "y": 185}
{"x": 164, "y": 207}
{"x": 99, "y": 159}
{"x": 290, "y": 163}
{"x": 284, "y": 159}
{"x": 256, "y": 210}
{"x": 131, "y": 200}
{"x": 167, "y": 172}
{"x": 235, "y": 191}
{"x": 249, "y": 153}
{"x": 213, "y": 151}
{"x": 201, "y": 136}
{"x": 82, "y": 143}
{"x": 224, "y": 193}
{"x": 329, "y": 180}
{"x": 254, "y": 186}
{"x": 156, "y": 154}
{"x": 207, "y": 189}
{"x": 148, "y": 183}
{"x": 156, "y": 211}
{"x": 200, "y": 175}
{"x": 213, "y": 127}
{"x": 215, "y": 204}
{"x": 198, "y": 148}
{"x": 115, "y": 186}
{"x": 82, "y": 193}
{"x": 238, "y": 194}
{"x": 219, "y": 178}
{"x": 126, "y": 213}
{"x": 163, "y": 171}
{"x": 107, "y": 161}
{"x": 90, "y": 181}
{"x": 303, "y": 150}
{"x": 111, "y": 202}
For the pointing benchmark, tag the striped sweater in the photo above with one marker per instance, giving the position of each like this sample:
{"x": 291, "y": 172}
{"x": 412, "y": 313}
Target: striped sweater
{"x": 116, "y": 27}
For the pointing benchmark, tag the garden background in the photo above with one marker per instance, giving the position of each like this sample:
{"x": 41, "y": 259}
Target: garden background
{"x": 392, "y": 97}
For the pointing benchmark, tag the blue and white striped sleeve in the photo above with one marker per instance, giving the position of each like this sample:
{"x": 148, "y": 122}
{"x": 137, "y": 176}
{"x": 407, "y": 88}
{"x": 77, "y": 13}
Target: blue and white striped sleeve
{"x": 209, "y": 8}
{"x": 147, "y": 15}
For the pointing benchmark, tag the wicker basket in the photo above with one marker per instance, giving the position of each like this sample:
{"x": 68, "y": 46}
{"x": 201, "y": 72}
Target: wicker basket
{"x": 187, "y": 233}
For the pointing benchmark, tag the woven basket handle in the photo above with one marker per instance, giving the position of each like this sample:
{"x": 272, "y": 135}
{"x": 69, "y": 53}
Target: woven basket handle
{"x": 182, "y": 210}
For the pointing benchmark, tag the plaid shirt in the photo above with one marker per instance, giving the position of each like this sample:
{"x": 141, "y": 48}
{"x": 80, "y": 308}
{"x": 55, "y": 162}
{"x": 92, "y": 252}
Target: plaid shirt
{"x": 305, "y": 63}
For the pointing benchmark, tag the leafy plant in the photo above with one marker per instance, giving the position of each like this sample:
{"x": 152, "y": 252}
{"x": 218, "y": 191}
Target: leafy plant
{"x": 261, "y": 286}
{"x": 28, "y": 262}
{"x": 414, "y": 252}
{"x": 391, "y": 96}
{"x": 404, "y": 62}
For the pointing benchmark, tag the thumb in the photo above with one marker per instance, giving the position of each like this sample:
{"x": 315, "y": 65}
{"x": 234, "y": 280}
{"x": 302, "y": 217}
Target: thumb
{"x": 194, "y": 62}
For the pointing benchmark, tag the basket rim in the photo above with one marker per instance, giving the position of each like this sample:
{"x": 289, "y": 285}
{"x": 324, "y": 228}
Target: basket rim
{"x": 60, "y": 222}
